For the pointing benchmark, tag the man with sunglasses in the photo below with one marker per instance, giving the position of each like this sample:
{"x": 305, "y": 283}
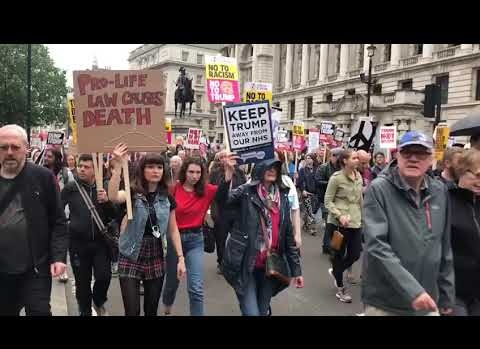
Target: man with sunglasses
{"x": 408, "y": 264}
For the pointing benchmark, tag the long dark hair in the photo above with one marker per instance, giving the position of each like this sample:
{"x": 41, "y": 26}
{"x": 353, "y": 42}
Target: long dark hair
{"x": 59, "y": 162}
{"x": 200, "y": 185}
{"x": 344, "y": 155}
{"x": 140, "y": 184}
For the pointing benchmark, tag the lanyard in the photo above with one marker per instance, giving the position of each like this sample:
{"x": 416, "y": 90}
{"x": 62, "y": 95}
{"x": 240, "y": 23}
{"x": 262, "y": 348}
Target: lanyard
{"x": 429, "y": 216}
{"x": 155, "y": 228}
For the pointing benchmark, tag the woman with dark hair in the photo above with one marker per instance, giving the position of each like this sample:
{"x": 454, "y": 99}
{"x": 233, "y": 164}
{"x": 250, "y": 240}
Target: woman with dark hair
{"x": 143, "y": 240}
{"x": 261, "y": 233}
{"x": 344, "y": 201}
{"x": 308, "y": 187}
{"x": 193, "y": 196}
{"x": 54, "y": 161}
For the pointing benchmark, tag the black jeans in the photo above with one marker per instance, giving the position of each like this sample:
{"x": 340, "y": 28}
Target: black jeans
{"x": 220, "y": 230}
{"x": 465, "y": 307}
{"x": 348, "y": 254}
{"x": 29, "y": 290}
{"x": 84, "y": 257}
{"x": 131, "y": 295}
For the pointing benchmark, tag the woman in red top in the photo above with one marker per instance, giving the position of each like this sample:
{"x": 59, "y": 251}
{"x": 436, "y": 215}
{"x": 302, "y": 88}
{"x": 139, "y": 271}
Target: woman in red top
{"x": 193, "y": 196}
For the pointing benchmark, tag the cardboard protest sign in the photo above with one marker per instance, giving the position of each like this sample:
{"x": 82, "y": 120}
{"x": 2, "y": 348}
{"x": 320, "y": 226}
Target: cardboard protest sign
{"x": 257, "y": 91}
{"x": 55, "y": 138}
{"x": 313, "y": 140}
{"x": 120, "y": 107}
{"x": 168, "y": 129}
{"x": 327, "y": 128}
{"x": 72, "y": 118}
{"x": 193, "y": 138}
{"x": 388, "y": 137}
{"x": 222, "y": 79}
{"x": 442, "y": 134}
{"x": 249, "y": 130}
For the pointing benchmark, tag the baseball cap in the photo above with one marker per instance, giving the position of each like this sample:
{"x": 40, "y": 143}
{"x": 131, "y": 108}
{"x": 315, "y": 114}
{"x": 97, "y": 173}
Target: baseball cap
{"x": 416, "y": 138}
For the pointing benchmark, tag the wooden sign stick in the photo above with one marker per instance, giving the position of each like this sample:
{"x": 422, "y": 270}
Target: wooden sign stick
{"x": 97, "y": 173}
{"x": 126, "y": 179}
{"x": 100, "y": 171}
{"x": 324, "y": 153}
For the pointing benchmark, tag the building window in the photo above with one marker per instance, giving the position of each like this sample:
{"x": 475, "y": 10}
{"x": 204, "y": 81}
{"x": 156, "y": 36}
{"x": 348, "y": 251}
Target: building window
{"x": 309, "y": 107}
{"x": 199, "y": 59}
{"x": 377, "y": 89}
{"x": 406, "y": 84}
{"x": 360, "y": 55}
{"x": 198, "y": 102}
{"x": 185, "y": 56}
{"x": 477, "y": 90}
{"x": 212, "y": 108}
{"x": 387, "y": 53}
{"x": 338, "y": 48}
{"x": 200, "y": 80}
{"x": 291, "y": 109}
{"x": 211, "y": 125}
{"x": 220, "y": 138}
{"x": 442, "y": 82}
{"x": 251, "y": 50}
{"x": 211, "y": 139}
{"x": 328, "y": 97}
{"x": 418, "y": 49}
{"x": 350, "y": 92}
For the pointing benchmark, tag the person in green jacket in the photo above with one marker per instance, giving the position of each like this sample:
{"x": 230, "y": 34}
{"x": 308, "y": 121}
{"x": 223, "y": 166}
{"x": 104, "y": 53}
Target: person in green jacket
{"x": 408, "y": 262}
{"x": 344, "y": 200}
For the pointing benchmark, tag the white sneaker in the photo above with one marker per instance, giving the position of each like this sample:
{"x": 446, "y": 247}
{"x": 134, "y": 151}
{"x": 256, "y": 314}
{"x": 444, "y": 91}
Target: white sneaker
{"x": 101, "y": 311}
{"x": 330, "y": 272}
{"x": 343, "y": 296}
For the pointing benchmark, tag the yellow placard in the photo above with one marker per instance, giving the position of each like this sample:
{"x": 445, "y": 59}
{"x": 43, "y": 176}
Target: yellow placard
{"x": 441, "y": 141}
{"x": 298, "y": 129}
{"x": 254, "y": 92}
{"x": 72, "y": 119}
{"x": 168, "y": 124}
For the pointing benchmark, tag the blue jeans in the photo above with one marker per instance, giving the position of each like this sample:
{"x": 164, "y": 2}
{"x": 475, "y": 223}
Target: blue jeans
{"x": 192, "y": 245}
{"x": 258, "y": 294}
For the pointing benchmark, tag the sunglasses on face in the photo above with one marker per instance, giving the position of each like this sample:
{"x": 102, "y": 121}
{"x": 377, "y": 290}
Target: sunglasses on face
{"x": 418, "y": 153}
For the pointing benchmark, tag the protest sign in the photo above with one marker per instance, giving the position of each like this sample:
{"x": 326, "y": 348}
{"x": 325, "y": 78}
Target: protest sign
{"x": 257, "y": 91}
{"x": 120, "y": 107}
{"x": 339, "y": 134}
{"x": 55, "y": 138}
{"x": 298, "y": 135}
{"x": 193, "y": 138}
{"x": 249, "y": 130}
{"x": 72, "y": 118}
{"x": 298, "y": 128}
{"x": 222, "y": 79}
{"x": 388, "y": 137}
{"x": 313, "y": 140}
{"x": 327, "y": 128}
{"x": 442, "y": 134}
{"x": 168, "y": 130}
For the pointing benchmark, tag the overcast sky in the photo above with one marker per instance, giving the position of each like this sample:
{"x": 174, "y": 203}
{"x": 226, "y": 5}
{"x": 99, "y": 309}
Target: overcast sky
{"x": 72, "y": 57}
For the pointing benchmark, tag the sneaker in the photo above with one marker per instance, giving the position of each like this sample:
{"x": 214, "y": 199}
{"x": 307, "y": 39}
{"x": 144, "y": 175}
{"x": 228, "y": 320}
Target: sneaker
{"x": 330, "y": 272}
{"x": 343, "y": 296}
{"x": 101, "y": 311}
{"x": 360, "y": 314}
{"x": 63, "y": 278}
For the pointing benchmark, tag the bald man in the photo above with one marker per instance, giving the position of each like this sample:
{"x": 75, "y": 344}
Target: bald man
{"x": 364, "y": 167}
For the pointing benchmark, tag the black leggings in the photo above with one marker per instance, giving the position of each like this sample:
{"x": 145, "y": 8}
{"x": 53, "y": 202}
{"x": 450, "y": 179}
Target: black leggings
{"x": 348, "y": 254}
{"x": 131, "y": 296}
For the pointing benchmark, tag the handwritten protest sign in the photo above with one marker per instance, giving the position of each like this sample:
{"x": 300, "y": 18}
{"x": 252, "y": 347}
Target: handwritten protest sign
{"x": 120, "y": 106}
{"x": 222, "y": 79}
{"x": 257, "y": 91}
{"x": 313, "y": 140}
{"x": 55, "y": 138}
{"x": 327, "y": 128}
{"x": 249, "y": 129}
{"x": 72, "y": 118}
{"x": 193, "y": 138}
{"x": 388, "y": 137}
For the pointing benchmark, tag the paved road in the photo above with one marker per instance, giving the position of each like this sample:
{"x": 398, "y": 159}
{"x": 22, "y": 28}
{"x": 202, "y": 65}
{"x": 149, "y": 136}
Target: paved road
{"x": 317, "y": 298}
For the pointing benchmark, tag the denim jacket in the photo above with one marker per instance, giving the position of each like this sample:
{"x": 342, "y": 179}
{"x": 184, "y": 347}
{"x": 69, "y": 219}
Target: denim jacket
{"x": 131, "y": 239}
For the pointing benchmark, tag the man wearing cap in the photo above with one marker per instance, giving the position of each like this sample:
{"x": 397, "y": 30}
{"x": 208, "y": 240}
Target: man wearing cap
{"x": 322, "y": 176}
{"x": 408, "y": 264}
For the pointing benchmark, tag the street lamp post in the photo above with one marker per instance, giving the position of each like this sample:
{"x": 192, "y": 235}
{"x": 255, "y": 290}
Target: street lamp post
{"x": 29, "y": 90}
{"x": 371, "y": 52}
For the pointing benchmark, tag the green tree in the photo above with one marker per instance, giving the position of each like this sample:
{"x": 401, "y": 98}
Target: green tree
{"x": 49, "y": 87}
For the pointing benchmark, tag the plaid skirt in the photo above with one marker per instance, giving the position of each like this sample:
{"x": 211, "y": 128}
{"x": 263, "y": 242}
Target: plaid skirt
{"x": 150, "y": 263}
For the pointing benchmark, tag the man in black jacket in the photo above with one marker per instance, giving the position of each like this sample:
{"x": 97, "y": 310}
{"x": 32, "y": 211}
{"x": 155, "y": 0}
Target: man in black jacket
{"x": 88, "y": 248}
{"x": 33, "y": 235}
{"x": 223, "y": 217}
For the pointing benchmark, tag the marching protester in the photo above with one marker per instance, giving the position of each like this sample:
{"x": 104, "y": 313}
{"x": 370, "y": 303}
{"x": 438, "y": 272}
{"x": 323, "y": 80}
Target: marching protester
{"x": 259, "y": 263}
{"x": 344, "y": 201}
{"x": 451, "y": 159}
{"x": 407, "y": 237}
{"x": 72, "y": 164}
{"x": 379, "y": 165}
{"x": 175, "y": 166}
{"x": 364, "y": 168}
{"x": 465, "y": 208}
{"x": 88, "y": 248}
{"x": 222, "y": 216}
{"x": 33, "y": 235}
{"x": 54, "y": 162}
{"x": 193, "y": 196}
{"x": 475, "y": 141}
{"x": 142, "y": 243}
{"x": 307, "y": 185}
{"x": 322, "y": 176}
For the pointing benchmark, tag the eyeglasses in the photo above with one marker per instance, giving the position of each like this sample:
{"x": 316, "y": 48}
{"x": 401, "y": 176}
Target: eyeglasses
{"x": 419, "y": 154}
{"x": 5, "y": 147}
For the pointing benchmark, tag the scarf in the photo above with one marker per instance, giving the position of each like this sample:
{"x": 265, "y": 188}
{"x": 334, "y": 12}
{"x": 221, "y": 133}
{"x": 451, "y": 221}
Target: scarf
{"x": 271, "y": 202}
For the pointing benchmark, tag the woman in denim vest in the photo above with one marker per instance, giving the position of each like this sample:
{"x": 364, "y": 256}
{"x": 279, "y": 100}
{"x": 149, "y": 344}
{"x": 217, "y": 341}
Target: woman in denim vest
{"x": 143, "y": 240}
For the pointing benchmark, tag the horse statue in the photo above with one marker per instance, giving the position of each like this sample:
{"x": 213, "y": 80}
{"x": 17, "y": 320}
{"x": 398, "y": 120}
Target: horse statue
{"x": 184, "y": 96}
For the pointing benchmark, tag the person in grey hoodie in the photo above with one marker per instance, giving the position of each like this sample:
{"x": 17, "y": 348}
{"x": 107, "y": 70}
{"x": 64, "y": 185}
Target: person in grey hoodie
{"x": 408, "y": 264}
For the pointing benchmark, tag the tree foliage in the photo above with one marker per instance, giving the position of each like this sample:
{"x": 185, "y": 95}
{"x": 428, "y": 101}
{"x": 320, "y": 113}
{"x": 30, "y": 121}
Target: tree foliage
{"x": 49, "y": 87}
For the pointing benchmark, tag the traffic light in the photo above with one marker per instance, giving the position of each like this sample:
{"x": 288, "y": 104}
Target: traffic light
{"x": 431, "y": 100}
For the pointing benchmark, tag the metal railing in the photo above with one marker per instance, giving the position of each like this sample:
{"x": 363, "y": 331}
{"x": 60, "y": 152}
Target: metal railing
{"x": 390, "y": 98}
{"x": 410, "y": 61}
{"x": 448, "y": 52}
{"x": 381, "y": 66}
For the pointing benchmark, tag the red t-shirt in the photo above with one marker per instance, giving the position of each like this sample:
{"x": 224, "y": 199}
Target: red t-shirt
{"x": 262, "y": 256}
{"x": 191, "y": 209}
